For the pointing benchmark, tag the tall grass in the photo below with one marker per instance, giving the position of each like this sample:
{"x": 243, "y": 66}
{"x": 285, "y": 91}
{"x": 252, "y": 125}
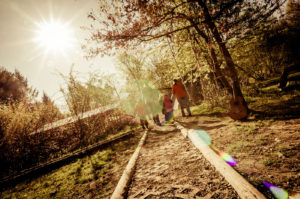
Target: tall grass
{"x": 21, "y": 148}
{"x": 17, "y": 121}
{"x": 23, "y": 144}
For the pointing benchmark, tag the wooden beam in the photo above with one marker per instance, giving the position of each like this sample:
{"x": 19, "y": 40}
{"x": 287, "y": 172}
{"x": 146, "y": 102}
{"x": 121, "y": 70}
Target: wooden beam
{"x": 122, "y": 186}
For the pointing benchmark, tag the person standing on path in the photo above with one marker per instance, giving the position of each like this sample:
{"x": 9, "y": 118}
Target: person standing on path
{"x": 180, "y": 93}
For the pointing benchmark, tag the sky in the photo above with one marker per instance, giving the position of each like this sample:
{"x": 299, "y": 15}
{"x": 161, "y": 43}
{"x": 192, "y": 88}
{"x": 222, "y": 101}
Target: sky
{"x": 25, "y": 28}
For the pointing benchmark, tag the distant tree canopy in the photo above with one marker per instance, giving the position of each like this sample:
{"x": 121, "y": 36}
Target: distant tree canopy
{"x": 14, "y": 86}
{"x": 207, "y": 25}
{"x": 85, "y": 96}
{"x": 126, "y": 23}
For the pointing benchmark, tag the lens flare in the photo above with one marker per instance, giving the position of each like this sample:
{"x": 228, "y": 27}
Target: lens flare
{"x": 142, "y": 92}
{"x": 204, "y": 136}
{"x": 276, "y": 191}
{"x": 228, "y": 159}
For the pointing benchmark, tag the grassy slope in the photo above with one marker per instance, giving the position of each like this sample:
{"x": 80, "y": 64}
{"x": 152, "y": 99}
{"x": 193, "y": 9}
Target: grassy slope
{"x": 93, "y": 176}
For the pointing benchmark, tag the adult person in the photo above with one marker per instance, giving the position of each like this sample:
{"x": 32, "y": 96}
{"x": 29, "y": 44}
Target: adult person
{"x": 179, "y": 92}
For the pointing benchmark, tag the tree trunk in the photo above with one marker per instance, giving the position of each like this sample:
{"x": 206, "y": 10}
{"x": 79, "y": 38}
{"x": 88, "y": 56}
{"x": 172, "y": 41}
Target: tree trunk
{"x": 216, "y": 66}
{"x": 228, "y": 59}
{"x": 219, "y": 75}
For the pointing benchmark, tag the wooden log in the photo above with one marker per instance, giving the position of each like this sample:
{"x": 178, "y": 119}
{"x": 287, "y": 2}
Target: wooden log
{"x": 244, "y": 189}
{"x": 122, "y": 186}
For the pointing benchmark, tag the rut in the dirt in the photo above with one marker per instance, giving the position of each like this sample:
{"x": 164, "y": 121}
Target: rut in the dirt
{"x": 169, "y": 166}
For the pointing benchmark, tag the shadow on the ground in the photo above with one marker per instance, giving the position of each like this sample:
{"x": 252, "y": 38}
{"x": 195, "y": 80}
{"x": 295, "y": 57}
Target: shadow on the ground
{"x": 210, "y": 121}
{"x": 189, "y": 123}
{"x": 163, "y": 132}
{"x": 214, "y": 114}
{"x": 281, "y": 110}
{"x": 196, "y": 125}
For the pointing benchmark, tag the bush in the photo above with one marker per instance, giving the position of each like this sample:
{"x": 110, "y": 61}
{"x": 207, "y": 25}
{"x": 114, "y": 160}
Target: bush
{"x": 23, "y": 143}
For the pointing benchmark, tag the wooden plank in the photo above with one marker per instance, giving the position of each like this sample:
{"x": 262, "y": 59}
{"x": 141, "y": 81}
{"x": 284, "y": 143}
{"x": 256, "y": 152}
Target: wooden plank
{"x": 244, "y": 189}
{"x": 73, "y": 119}
{"x": 122, "y": 186}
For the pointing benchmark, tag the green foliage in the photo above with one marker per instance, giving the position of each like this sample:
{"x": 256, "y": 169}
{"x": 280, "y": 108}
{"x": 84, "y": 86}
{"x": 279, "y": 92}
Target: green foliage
{"x": 207, "y": 109}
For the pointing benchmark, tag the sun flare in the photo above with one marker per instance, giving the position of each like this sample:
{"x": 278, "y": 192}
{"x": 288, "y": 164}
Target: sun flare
{"x": 54, "y": 36}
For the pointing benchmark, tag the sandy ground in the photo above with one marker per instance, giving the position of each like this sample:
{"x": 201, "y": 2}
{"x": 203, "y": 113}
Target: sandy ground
{"x": 169, "y": 166}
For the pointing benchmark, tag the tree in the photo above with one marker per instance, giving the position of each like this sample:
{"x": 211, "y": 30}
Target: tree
{"x": 49, "y": 111}
{"x": 14, "y": 87}
{"x": 126, "y": 24}
{"x": 132, "y": 66}
{"x": 84, "y": 96}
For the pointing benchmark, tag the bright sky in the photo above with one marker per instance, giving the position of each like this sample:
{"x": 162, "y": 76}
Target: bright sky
{"x": 42, "y": 38}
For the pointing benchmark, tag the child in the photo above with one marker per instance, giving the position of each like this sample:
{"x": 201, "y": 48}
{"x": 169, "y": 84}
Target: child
{"x": 167, "y": 108}
{"x": 140, "y": 111}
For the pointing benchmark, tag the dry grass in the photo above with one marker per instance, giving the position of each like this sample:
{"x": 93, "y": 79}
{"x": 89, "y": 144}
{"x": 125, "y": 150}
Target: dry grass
{"x": 20, "y": 150}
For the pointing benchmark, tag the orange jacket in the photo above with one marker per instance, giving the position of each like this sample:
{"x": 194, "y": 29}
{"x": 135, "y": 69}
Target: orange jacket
{"x": 178, "y": 90}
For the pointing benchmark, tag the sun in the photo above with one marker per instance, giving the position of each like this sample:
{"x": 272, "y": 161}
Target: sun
{"x": 54, "y": 36}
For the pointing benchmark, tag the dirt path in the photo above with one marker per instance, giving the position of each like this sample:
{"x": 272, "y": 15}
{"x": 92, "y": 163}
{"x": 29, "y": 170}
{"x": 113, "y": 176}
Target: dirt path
{"x": 266, "y": 150}
{"x": 170, "y": 167}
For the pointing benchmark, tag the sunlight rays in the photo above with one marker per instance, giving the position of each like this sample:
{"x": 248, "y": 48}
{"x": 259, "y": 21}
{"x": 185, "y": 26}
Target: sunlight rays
{"x": 54, "y": 36}
{"x": 49, "y": 32}
{"x": 54, "y": 40}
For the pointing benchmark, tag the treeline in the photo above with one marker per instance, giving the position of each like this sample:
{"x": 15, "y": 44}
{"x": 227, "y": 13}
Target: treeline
{"x": 23, "y": 143}
{"x": 217, "y": 48}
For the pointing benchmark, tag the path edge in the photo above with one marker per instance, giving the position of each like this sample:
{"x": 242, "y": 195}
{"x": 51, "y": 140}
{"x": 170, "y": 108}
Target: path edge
{"x": 121, "y": 188}
{"x": 243, "y": 188}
